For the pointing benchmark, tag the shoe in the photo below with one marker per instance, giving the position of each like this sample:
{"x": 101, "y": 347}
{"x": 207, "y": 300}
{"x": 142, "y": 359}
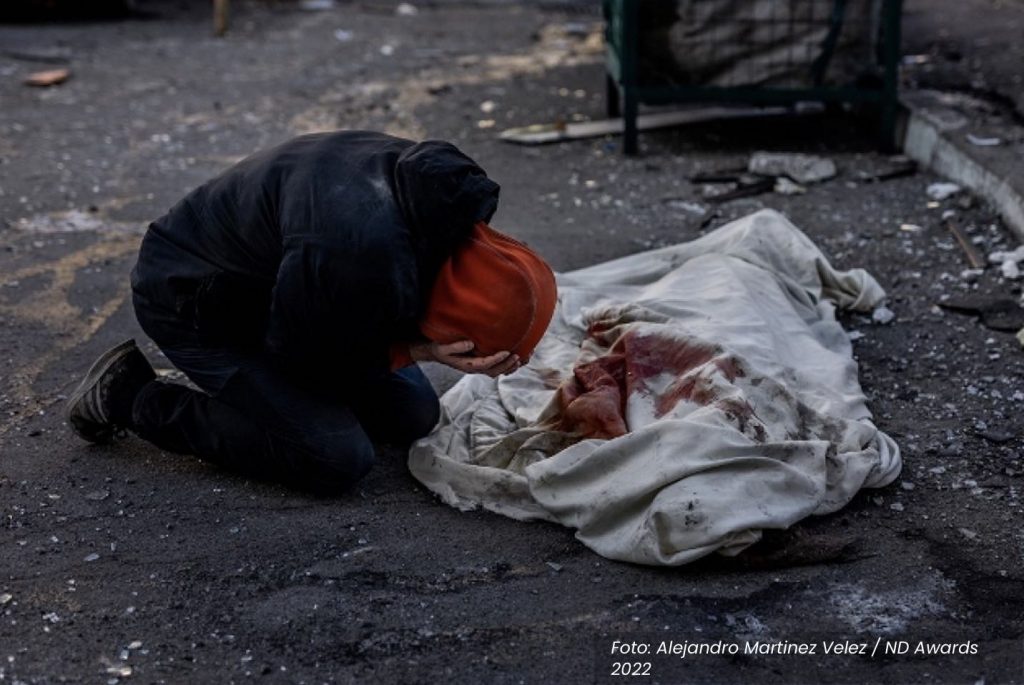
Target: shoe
{"x": 100, "y": 408}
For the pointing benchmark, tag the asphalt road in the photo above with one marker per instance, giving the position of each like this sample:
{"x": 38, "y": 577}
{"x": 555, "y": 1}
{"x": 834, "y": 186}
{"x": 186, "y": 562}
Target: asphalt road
{"x": 126, "y": 564}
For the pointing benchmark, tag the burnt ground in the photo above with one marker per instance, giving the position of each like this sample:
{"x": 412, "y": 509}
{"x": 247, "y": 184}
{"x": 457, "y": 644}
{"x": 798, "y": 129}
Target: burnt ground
{"x": 124, "y": 563}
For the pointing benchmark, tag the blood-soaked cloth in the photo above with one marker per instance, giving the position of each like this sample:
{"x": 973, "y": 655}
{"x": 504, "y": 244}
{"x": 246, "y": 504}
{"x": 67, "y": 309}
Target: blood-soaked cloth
{"x": 683, "y": 400}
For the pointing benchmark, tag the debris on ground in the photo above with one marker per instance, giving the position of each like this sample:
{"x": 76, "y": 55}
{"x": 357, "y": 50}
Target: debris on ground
{"x": 50, "y": 77}
{"x": 538, "y": 134}
{"x": 974, "y": 257}
{"x": 883, "y": 315}
{"x": 997, "y": 314}
{"x": 783, "y": 186}
{"x": 899, "y": 167}
{"x": 1009, "y": 262}
{"x": 799, "y": 167}
{"x": 406, "y": 9}
{"x": 982, "y": 141}
{"x": 910, "y": 228}
{"x": 941, "y": 191}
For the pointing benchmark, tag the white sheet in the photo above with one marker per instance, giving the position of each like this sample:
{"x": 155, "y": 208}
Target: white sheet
{"x": 714, "y": 396}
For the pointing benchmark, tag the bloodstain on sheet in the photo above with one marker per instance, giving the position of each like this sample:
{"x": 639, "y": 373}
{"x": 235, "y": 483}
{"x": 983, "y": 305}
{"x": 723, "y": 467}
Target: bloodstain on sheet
{"x": 593, "y": 402}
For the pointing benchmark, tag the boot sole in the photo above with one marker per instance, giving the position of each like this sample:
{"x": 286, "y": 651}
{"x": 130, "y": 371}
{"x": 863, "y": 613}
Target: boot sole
{"x": 95, "y": 372}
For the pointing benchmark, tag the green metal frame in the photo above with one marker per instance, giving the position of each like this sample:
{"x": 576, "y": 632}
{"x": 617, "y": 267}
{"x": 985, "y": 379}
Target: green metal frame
{"x": 626, "y": 91}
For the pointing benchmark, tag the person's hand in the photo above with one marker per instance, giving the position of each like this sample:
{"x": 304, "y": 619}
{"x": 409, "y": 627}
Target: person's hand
{"x": 456, "y": 355}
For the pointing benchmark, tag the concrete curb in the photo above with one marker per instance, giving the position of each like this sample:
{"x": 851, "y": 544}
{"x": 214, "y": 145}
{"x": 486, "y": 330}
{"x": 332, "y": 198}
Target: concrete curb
{"x": 930, "y": 141}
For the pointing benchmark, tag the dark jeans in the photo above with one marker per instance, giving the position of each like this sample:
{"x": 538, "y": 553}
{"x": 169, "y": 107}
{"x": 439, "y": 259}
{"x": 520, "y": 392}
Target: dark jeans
{"x": 255, "y": 419}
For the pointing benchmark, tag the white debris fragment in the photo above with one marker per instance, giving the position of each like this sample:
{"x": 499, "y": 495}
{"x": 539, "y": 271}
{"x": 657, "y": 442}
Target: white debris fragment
{"x": 798, "y": 167}
{"x": 387, "y": 50}
{"x": 120, "y": 670}
{"x": 91, "y": 557}
{"x": 940, "y": 191}
{"x": 982, "y": 141}
{"x": 911, "y": 228}
{"x": 1009, "y": 262}
{"x": 406, "y": 10}
{"x": 783, "y": 186}
{"x": 1013, "y": 255}
{"x": 883, "y": 315}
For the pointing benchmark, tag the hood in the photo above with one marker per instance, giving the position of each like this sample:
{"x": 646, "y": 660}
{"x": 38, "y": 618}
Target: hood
{"x": 442, "y": 194}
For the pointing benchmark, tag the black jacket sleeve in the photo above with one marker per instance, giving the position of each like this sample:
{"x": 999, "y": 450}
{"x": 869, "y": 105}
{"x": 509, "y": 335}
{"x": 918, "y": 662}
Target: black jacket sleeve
{"x": 333, "y": 311}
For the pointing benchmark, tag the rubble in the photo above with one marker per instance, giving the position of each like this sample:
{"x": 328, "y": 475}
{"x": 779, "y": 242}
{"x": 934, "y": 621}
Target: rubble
{"x": 941, "y": 191}
{"x": 799, "y": 167}
{"x": 883, "y": 315}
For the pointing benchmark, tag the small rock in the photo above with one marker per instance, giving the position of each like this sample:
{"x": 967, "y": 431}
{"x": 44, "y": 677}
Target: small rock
{"x": 554, "y": 566}
{"x": 968, "y": 533}
{"x": 896, "y": 506}
{"x": 910, "y": 228}
{"x": 798, "y": 167}
{"x": 940, "y": 191}
{"x": 343, "y": 35}
{"x": 97, "y": 495}
{"x": 907, "y": 485}
{"x": 1009, "y": 269}
{"x": 854, "y": 335}
{"x": 5, "y": 598}
{"x": 91, "y": 557}
{"x": 883, "y": 315}
{"x": 406, "y": 9}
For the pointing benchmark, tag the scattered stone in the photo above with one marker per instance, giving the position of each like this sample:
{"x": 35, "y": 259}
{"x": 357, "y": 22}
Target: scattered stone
{"x": 854, "y": 335}
{"x": 941, "y": 191}
{"x": 5, "y": 598}
{"x": 883, "y": 315}
{"x": 937, "y": 470}
{"x": 554, "y": 567}
{"x": 798, "y": 167}
{"x": 896, "y": 506}
{"x": 343, "y": 35}
{"x": 120, "y": 670}
{"x": 911, "y": 228}
{"x": 91, "y": 557}
{"x": 97, "y": 495}
{"x": 907, "y": 485}
{"x": 968, "y": 533}
{"x": 406, "y": 9}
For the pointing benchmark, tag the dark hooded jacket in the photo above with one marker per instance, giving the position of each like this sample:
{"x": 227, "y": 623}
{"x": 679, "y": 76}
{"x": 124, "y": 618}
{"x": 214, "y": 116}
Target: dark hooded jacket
{"x": 321, "y": 251}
